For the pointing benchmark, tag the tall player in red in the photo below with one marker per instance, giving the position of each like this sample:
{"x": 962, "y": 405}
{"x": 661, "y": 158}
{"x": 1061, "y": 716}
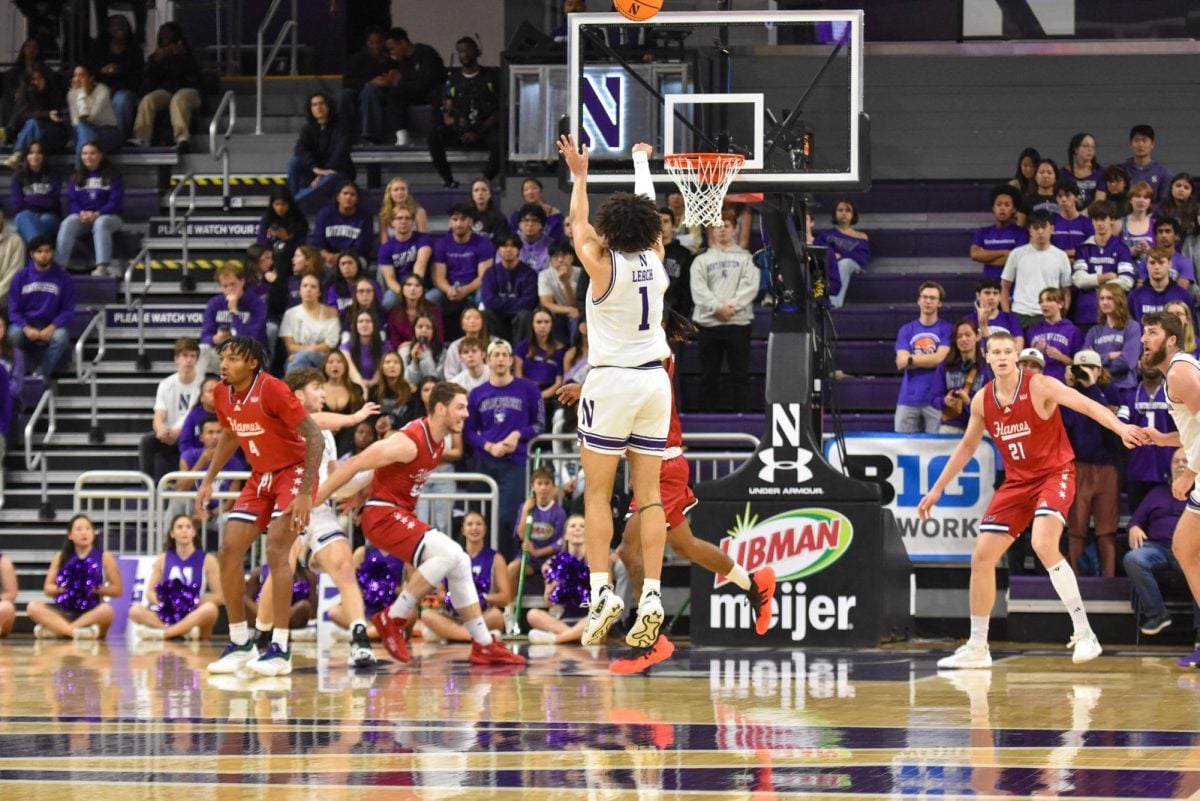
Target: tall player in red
{"x": 283, "y": 445}
{"x": 402, "y": 463}
{"x": 1020, "y": 412}
{"x": 675, "y": 486}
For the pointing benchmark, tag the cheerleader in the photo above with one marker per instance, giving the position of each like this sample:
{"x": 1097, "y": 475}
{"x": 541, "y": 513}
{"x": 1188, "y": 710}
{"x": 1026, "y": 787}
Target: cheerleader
{"x": 80, "y": 576}
{"x": 177, "y": 604}
{"x": 380, "y": 577}
{"x": 567, "y": 582}
{"x": 491, "y": 581}
{"x": 8, "y": 595}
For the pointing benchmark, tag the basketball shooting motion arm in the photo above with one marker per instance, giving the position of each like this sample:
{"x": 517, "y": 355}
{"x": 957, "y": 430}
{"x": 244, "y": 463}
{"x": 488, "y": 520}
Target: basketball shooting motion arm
{"x": 643, "y": 184}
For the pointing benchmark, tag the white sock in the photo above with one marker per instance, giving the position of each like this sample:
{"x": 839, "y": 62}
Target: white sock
{"x": 599, "y": 582}
{"x": 404, "y": 605}
{"x": 239, "y": 633}
{"x": 651, "y": 585}
{"x": 479, "y": 630}
{"x": 979, "y": 629}
{"x": 280, "y": 637}
{"x": 739, "y": 576}
{"x": 1063, "y": 579}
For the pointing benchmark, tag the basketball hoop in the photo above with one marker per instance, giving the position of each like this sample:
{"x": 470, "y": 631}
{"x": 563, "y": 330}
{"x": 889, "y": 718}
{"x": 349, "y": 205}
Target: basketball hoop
{"x": 703, "y": 179}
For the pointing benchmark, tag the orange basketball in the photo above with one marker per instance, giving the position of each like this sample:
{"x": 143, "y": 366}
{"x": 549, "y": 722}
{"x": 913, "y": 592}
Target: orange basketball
{"x": 638, "y": 9}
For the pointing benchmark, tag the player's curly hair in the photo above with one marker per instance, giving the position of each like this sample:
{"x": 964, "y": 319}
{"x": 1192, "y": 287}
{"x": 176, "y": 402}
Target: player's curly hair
{"x": 247, "y": 348}
{"x": 629, "y": 223}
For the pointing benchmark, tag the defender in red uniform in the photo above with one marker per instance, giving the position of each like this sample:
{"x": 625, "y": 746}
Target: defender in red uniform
{"x": 283, "y": 446}
{"x": 402, "y": 463}
{"x": 675, "y": 486}
{"x": 1020, "y": 412}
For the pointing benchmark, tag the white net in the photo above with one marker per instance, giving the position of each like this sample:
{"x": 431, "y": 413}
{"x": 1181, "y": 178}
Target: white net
{"x": 703, "y": 179}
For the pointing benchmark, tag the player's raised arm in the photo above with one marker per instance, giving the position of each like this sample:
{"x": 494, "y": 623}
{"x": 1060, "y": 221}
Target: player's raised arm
{"x": 397, "y": 448}
{"x": 958, "y": 460}
{"x": 1063, "y": 395}
{"x": 643, "y": 184}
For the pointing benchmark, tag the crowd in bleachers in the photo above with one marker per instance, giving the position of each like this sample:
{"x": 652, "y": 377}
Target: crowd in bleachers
{"x": 1074, "y": 259}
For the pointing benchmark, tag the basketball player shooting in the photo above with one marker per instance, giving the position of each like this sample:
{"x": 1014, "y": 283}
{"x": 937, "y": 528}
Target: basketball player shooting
{"x": 625, "y": 404}
{"x": 1020, "y": 412}
{"x": 283, "y": 444}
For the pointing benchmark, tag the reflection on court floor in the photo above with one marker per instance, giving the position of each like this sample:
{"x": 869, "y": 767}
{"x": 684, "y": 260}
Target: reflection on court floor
{"x": 111, "y": 721}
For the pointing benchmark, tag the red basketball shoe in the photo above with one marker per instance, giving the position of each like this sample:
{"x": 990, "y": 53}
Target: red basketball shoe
{"x": 494, "y": 653}
{"x": 391, "y": 631}
{"x": 641, "y": 658}
{"x": 761, "y": 592}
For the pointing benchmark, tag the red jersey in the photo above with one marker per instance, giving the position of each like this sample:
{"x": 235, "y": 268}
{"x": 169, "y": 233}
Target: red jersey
{"x": 265, "y": 418}
{"x": 400, "y": 483}
{"x": 1030, "y": 447}
{"x": 675, "y": 432}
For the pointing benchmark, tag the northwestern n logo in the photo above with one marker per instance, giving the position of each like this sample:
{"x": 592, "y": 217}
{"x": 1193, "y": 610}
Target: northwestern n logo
{"x": 603, "y": 115}
{"x": 589, "y": 411}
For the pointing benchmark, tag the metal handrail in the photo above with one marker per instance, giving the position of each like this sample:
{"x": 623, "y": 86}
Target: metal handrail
{"x": 165, "y": 491}
{"x": 228, "y": 103}
{"x": 121, "y": 495}
{"x": 261, "y": 71}
{"x": 138, "y": 306}
{"x": 96, "y": 434}
{"x": 38, "y": 461}
{"x": 179, "y": 226}
{"x": 493, "y": 496}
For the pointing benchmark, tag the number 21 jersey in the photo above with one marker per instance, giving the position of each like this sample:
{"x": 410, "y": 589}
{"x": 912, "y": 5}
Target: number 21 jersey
{"x": 1030, "y": 447}
{"x": 265, "y": 418}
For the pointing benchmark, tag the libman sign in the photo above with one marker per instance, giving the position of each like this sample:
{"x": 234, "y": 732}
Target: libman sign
{"x": 795, "y": 544}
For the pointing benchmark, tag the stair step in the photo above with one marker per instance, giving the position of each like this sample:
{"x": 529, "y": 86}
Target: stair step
{"x": 115, "y": 438}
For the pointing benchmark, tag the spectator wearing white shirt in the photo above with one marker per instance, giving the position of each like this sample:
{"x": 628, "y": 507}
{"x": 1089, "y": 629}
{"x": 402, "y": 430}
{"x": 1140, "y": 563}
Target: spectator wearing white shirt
{"x": 556, "y": 289}
{"x": 1032, "y": 268}
{"x": 475, "y": 371}
{"x": 158, "y": 452}
{"x": 311, "y": 330}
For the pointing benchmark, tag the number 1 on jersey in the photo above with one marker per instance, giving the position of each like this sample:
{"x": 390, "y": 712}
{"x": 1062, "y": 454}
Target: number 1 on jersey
{"x": 645, "y": 293}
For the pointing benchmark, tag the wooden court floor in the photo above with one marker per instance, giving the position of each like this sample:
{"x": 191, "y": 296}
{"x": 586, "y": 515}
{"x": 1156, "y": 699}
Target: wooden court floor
{"x": 101, "y": 721}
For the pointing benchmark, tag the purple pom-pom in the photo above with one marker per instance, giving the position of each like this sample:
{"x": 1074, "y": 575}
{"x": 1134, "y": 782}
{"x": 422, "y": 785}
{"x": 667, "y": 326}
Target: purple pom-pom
{"x": 79, "y": 581}
{"x": 176, "y": 600}
{"x": 378, "y": 584}
{"x": 300, "y": 591}
{"x": 571, "y": 579}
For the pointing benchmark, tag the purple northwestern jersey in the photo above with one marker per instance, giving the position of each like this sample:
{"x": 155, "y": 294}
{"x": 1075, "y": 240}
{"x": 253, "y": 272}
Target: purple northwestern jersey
{"x": 335, "y": 231}
{"x": 1070, "y": 234}
{"x": 1093, "y": 259}
{"x": 844, "y": 246}
{"x": 991, "y": 237}
{"x": 1087, "y": 186}
{"x": 97, "y": 193}
{"x": 1147, "y": 409}
{"x": 1155, "y": 174}
{"x": 35, "y": 192}
{"x": 548, "y": 525}
{"x": 1146, "y": 299}
{"x": 1062, "y": 335}
{"x": 189, "y": 571}
{"x": 1181, "y": 267}
{"x": 250, "y": 320}
{"x": 462, "y": 259}
{"x": 541, "y": 368}
{"x": 495, "y": 412}
{"x": 1125, "y": 342}
{"x": 402, "y": 256}
{"x": 40, "y": 297}
{"x": 916, "y": 388}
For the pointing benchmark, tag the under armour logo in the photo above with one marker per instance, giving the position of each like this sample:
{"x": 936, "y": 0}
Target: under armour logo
{"x": 771, "y": 465}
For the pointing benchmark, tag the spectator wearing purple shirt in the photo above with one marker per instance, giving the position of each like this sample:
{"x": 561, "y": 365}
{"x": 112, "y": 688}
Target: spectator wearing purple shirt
{"x": 41, "y": 302}
{"x": 851, "y": 248}
{"x": 920, "y": 347}
{"x": 1151, "y": 532}
{"x": 1116, "y": 337}
{"x": 190, "y": 443}
{"x": 231, "y": 312}
{"x": 1159, "y": 290}
{"x": 1137, "y": 227}
{"x": 340, "y": 293}
{"x": 509, "y": 292}
{"x": 405, "y": 253}
{"x": 989, "y": 318}
{"x": 1056, "y": 338}
{"x": 1141, "y": 165}
{"x": 504, "y": 414}
{"x": 992, "y": 243}
{"x": 34, "y": 196}
{"x": 1083, "y": 170}
{"x": 959, "y": 377}
{"x": 535, "y": 242}
{"x": 539, "y": 357}
{"x": 343, "y": 225}
{"x": 1098, "y": 260}
{"x": 460, "y": 260}
{"x": 547, "y": 523}
{"x": 1070, "y": 227}
{"x": 1166, "y": 235}
{"x": 95, "y": 197}
{"x": 1146, "y": 406}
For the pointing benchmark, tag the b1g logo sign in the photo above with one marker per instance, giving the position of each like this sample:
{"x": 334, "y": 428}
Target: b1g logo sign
{"x": 796, "y": 544}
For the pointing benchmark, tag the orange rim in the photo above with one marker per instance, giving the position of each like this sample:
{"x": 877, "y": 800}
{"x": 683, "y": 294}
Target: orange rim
{"x": 707, "y": 167}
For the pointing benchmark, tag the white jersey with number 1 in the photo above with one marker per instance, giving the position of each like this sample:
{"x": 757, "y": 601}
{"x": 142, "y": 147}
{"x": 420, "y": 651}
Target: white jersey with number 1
{"x": 625, "y": 324}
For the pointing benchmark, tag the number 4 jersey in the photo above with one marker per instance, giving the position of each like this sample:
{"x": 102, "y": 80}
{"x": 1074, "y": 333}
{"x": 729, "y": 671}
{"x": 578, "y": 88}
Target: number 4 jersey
{"x": 265, "y": 418}
{"x": 1030, "y": 447}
